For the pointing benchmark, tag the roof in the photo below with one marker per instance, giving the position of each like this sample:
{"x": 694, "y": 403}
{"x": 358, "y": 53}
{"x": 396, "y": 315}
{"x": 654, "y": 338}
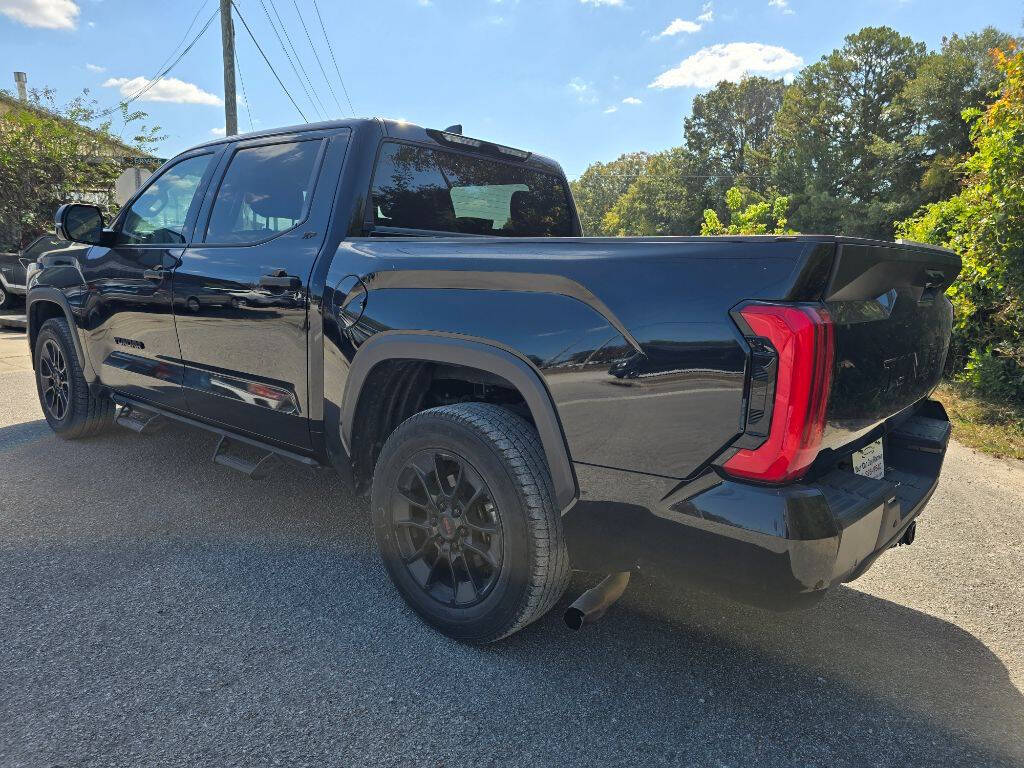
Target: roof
{"x": 398, "y": 129}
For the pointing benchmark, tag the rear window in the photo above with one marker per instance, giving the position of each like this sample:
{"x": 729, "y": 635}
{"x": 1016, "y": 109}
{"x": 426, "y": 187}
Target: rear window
{"x": 420, "y": 188}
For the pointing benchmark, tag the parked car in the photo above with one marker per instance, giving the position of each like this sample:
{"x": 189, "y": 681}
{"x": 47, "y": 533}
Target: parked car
{"x": 13, "y": 267}
{"x": 747, "y": 414}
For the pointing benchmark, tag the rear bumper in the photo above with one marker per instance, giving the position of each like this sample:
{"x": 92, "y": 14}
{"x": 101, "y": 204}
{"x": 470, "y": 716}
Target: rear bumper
{"x": 784, "y": 547}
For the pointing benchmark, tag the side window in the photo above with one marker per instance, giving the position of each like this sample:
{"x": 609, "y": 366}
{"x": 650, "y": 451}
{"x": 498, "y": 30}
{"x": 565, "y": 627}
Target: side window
{"x": 265, "y": 191}
{"x": 40, "y": 246}
{"x": 158, "y": 216}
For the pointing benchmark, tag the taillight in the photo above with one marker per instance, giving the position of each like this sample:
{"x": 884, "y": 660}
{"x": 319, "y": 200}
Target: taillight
{"x": 803, "y": 340}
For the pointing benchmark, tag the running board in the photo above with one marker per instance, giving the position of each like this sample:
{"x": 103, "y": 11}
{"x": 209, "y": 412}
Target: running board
{"x": 142, "y": 422}
{"x": 256, "y": 468}
{"x": 229, "y": 447}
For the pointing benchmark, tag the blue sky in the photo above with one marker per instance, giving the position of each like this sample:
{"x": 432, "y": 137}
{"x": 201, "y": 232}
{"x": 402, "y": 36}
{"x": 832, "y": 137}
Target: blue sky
{"x": 580, "y": 80}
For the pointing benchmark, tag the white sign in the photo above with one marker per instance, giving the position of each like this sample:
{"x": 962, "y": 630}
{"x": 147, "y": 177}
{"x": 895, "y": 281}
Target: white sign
{"x": 869, "y": 461}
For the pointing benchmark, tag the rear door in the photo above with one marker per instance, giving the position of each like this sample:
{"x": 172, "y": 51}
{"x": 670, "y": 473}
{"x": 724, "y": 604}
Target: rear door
{"x": 240, "y": 292}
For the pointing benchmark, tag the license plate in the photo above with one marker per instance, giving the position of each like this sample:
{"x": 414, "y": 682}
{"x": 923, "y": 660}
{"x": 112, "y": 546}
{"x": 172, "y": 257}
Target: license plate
{"x": 869, "y": 461}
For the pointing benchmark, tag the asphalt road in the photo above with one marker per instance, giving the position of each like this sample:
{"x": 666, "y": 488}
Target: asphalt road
{"x": 159, "y": 610}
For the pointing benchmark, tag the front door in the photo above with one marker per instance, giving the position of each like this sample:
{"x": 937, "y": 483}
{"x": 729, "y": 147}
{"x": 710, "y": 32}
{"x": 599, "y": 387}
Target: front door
{"x": 240, "y": 291}
{"x": 130, "y": 323}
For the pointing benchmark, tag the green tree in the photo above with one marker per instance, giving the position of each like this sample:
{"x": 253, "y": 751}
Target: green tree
{"x": 960, "y": 76}
{"x": 601, "y": 185}
{"x": 49, "y": 155}
{"x": 984, "y": 223}
{"x": 727, "y": 140}
{"x": 661, "y": 201}
{"x": 749, "y": 214}
{"x": 730, "y": 134}
{"x": 847, "y": 149}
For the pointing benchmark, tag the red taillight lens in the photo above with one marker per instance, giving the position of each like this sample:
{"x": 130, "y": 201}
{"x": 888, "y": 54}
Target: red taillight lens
{"x": 804, "y": 341}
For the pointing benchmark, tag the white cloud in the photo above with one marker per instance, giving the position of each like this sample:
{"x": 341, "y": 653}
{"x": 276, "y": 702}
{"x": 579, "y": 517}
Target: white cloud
{"x": 95, "y": 68}
{"x": 729, "y": 61}
{"x": 782, "y": 5}
{"x": 680, "y": 25}
{"x": 218, "y": 131}
{"x": 611, "y": 109}
{"x": 631, "y": 100}
{"x": 48, "y": 14}
{"x": 169, "y": 89}
{"x": 582, "y": 90}
{"x": 602, "y": 2}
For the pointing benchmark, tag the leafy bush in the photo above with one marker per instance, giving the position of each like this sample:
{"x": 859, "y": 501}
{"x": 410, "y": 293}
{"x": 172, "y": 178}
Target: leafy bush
{"x": 749, "y": 214}
{"x": 984, "y": 223}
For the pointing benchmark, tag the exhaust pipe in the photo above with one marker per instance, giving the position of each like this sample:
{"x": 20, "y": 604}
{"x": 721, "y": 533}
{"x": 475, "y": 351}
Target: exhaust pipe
{"x": 592, "y": 604}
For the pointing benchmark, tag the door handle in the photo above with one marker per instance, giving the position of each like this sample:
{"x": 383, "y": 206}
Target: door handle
{"x": 157, "y": 274}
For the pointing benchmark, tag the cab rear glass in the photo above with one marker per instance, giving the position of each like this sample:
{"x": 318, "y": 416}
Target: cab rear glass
{"x": 420, "y": 188}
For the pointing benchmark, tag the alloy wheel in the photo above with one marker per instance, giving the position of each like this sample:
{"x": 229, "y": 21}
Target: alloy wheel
{"x": 448, "y": 528}
{"x": 54, "y": 380}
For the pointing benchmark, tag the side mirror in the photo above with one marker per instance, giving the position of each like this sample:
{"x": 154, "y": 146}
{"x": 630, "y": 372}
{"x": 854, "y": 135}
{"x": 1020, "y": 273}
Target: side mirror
{"x": 80, "y": 223}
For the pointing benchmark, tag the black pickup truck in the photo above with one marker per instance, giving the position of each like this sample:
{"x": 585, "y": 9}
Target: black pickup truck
{"x": 420, "y": 311}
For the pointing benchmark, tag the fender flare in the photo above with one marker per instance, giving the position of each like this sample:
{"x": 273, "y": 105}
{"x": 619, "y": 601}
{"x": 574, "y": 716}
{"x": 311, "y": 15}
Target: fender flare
{"x": 472, "y": 353}
{"x": 55, "y": 296}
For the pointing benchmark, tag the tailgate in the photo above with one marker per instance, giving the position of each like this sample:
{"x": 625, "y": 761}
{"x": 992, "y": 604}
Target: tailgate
{"x": 892, "y": 325}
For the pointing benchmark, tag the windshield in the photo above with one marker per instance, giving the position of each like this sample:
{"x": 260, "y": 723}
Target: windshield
{"x": 427, "y": 189}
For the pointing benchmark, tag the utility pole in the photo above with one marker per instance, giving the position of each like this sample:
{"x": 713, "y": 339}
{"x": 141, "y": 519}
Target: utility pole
{"x": 227, "y": 38}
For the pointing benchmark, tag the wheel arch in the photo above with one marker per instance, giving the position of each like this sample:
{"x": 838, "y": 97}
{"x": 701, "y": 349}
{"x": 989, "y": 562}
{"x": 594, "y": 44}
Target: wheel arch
{"x": 45, "y": 303}
{"x": 470, "y": 353}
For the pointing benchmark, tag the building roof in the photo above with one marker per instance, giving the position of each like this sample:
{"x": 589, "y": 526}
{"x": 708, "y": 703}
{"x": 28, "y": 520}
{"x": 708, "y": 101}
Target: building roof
{"x": 10, "y": 103}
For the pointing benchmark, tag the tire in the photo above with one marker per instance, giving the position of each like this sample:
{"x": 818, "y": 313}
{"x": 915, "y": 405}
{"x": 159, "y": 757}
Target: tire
{"x": 518, "y": 570}
{"x": 76, "y": 413}
{"x": 6, "y": 298}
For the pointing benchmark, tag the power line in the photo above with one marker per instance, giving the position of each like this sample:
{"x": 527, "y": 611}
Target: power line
{"x": 298, "y": 59}
{"x": 189, "y": 29}
{"x": 241, "y": 80}
{"x": 288, "y": 56}
{"x": 273, "y": 71}
{"x": 162, "y": 74}
{"x": 316, "y": 55}
{"x": 331, "y": 49}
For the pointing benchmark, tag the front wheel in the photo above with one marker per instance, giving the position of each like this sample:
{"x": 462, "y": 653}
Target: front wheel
{"x": 70, "y": 409}
{"x": 7, "y": 299}
{"x": 464, "y": 515}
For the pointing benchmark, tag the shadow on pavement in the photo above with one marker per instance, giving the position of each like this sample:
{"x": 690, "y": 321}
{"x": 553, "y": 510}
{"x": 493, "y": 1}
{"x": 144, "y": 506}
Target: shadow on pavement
{"x": 18, "y": 434}
{"x": 164, "y": 609}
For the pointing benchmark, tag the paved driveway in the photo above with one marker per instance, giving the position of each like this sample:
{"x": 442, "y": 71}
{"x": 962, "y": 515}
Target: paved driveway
{"x": 157, "y": 609}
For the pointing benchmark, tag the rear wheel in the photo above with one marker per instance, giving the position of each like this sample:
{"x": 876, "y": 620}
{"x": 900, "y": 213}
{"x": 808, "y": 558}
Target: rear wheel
{"x": 70, "y": 409}
{"x": 464, "y": 514}
{"x": 6, "y": 298}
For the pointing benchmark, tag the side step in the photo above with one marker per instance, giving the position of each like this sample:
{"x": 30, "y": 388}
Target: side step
{"x": 255, "y": 468}
{"x": 249, "y": 456}
{"x": 142, "y": 422}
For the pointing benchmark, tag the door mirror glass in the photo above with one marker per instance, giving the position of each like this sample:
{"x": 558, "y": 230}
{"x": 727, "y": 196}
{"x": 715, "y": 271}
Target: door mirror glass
{"x": 80, "y": 223}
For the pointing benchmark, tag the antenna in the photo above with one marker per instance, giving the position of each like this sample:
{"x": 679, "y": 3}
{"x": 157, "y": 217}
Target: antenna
{"x": 457, "y": 128}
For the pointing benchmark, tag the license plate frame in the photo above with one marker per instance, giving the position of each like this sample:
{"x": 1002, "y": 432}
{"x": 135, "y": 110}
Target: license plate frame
{"x": 869, "y": 461}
